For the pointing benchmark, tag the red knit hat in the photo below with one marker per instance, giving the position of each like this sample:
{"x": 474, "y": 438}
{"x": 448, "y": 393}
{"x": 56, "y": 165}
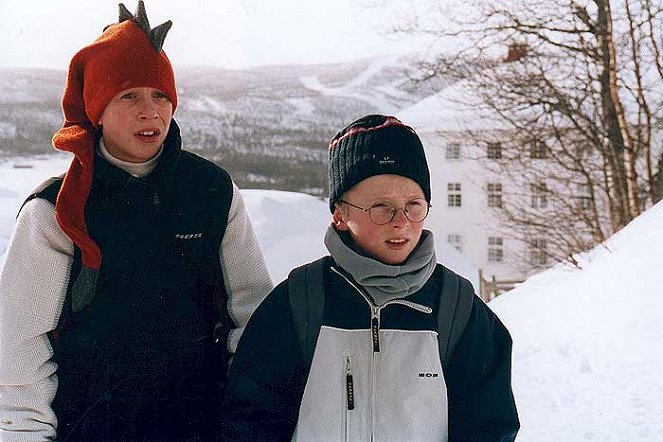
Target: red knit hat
{"x": 127, "y": 55}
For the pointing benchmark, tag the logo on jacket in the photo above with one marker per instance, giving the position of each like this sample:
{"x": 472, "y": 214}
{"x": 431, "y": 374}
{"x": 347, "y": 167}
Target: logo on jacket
{"x": 188, "y": 235}
{"x": 428, "y": 374}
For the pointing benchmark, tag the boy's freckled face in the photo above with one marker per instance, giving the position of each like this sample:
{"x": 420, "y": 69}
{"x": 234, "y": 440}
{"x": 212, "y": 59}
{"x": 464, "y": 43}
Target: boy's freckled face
{"x": 393, "y": 242}
{"x": 135, "y": 123}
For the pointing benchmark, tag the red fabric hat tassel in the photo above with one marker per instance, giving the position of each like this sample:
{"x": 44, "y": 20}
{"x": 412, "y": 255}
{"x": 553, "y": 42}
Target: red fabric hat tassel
{"x": 70, "y": 204}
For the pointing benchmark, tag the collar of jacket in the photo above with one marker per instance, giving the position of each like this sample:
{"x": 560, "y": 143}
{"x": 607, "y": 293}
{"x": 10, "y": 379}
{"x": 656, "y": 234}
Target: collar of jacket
{"x": 115, "y": 182}
{"x": 343, "y": 286}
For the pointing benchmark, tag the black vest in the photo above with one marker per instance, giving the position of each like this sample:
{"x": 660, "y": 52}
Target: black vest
{"x": 146, "y": 359}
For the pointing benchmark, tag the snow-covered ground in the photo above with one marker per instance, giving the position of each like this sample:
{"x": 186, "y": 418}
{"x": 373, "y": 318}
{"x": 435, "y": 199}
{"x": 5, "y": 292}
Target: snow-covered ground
{"x": 588, "y": 344}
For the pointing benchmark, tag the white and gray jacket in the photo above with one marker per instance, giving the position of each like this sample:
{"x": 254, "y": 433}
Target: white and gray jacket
{"x": 376, "y": 373}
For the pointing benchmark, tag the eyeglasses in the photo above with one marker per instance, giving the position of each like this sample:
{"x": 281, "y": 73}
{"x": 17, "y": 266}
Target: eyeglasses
{"x": 383, "y": 212}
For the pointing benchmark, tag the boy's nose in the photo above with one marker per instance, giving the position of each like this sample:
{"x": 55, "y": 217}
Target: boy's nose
{"x": 148, "y": 110}
{"x": 400, "y": 218}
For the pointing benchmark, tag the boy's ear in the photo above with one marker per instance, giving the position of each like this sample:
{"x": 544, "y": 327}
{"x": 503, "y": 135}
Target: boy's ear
{"x": 339, "y": 219}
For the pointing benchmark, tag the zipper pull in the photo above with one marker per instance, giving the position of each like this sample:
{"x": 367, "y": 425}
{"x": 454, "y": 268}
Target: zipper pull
{"x": 349, "y": 385}
{"x": 375, "y": 329}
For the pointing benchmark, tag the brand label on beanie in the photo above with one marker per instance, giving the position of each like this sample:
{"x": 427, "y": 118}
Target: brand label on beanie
{"x": 385, "y": 161}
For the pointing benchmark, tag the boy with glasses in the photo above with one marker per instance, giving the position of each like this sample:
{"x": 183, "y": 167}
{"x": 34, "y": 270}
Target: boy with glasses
{"x": 377, "y": 371}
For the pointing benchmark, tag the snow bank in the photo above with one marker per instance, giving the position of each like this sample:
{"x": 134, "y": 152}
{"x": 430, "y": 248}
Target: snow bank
{"x": 588, "y": 344}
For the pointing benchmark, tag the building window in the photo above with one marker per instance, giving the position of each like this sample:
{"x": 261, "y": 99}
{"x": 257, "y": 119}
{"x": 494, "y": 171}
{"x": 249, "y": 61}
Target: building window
{"x": 494, "y": 194}
{"x": 456, "y": 241}
{"x": 538, "y": 149}
{"x": 539, "y": 193}
{"x": 495, "y": 249}
{"x": 454, "y": 195}
{"x": 583, "y": 196}
{"x": 453, "y": 151}
{"x": 538, "y": 252}
{"x": 494, "y": 151}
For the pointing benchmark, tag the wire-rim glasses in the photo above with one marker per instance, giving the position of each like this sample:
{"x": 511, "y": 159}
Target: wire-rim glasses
{"x": 383, "y": 212}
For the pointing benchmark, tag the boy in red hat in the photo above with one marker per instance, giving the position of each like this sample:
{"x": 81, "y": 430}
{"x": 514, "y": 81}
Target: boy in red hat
{"x": 128, "y": 281}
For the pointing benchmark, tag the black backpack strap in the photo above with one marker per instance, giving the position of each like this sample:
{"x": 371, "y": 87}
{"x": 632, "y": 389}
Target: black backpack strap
{"x": 67, "y": 308}
{"x": 455, "y": 307}
{"x": 47, "y": 190}
{"x": 306, "y": 291}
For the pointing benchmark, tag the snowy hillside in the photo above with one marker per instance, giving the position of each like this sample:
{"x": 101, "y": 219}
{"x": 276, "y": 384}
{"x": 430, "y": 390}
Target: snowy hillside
{"x": 269, "y": 126}
{"x": 588, "y": 344}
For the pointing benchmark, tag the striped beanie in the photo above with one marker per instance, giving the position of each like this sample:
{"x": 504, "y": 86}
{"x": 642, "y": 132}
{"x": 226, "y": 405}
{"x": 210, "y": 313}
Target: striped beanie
{"x": 375, "y": 145}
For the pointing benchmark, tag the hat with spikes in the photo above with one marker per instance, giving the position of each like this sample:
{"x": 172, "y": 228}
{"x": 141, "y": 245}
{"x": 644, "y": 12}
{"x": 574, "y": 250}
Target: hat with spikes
{"x": 127, "y": 55}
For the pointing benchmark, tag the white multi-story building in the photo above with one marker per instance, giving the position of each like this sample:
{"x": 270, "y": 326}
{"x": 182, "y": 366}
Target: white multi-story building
{"x": 552, "y": 191}
{"x": 467, "y": 195}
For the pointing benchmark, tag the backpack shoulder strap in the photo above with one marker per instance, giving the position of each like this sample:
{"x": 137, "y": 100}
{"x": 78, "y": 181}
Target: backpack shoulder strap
{"x": 47, "y": 190}
{"x": 455, "y": 307}
{"x": 306, "y": 292}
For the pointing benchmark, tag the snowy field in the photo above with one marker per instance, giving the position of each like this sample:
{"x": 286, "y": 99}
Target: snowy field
{"x": 588, "y": 353}
{"x": 588, "y": 344}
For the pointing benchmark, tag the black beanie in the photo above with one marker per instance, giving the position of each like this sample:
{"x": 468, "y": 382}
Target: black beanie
{"x": 375, "y": 145}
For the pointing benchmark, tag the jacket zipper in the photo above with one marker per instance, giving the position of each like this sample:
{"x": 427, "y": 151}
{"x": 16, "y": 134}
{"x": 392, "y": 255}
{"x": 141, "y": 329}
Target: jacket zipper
{"x": 375, "y": 332}
{"x": 375, "y": 328}
{"x": 349, "y": 385}
{"x": 349, "y": 398}
{"x": 375, "y": 337}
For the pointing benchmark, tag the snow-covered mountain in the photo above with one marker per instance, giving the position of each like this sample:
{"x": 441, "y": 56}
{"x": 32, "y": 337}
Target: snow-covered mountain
{"x": 269, "y": 126}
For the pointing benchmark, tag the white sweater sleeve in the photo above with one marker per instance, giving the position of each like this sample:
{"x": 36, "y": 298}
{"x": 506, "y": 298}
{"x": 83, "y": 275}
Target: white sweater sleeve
{"x": 33, "y": 285}
{"x": 244, "y": 270}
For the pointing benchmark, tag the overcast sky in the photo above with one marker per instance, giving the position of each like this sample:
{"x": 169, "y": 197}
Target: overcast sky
{"x": 227, "y": 33}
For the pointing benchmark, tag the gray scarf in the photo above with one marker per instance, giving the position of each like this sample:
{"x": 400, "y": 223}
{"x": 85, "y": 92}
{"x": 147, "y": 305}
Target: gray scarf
{"x": 384, "y": 282}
